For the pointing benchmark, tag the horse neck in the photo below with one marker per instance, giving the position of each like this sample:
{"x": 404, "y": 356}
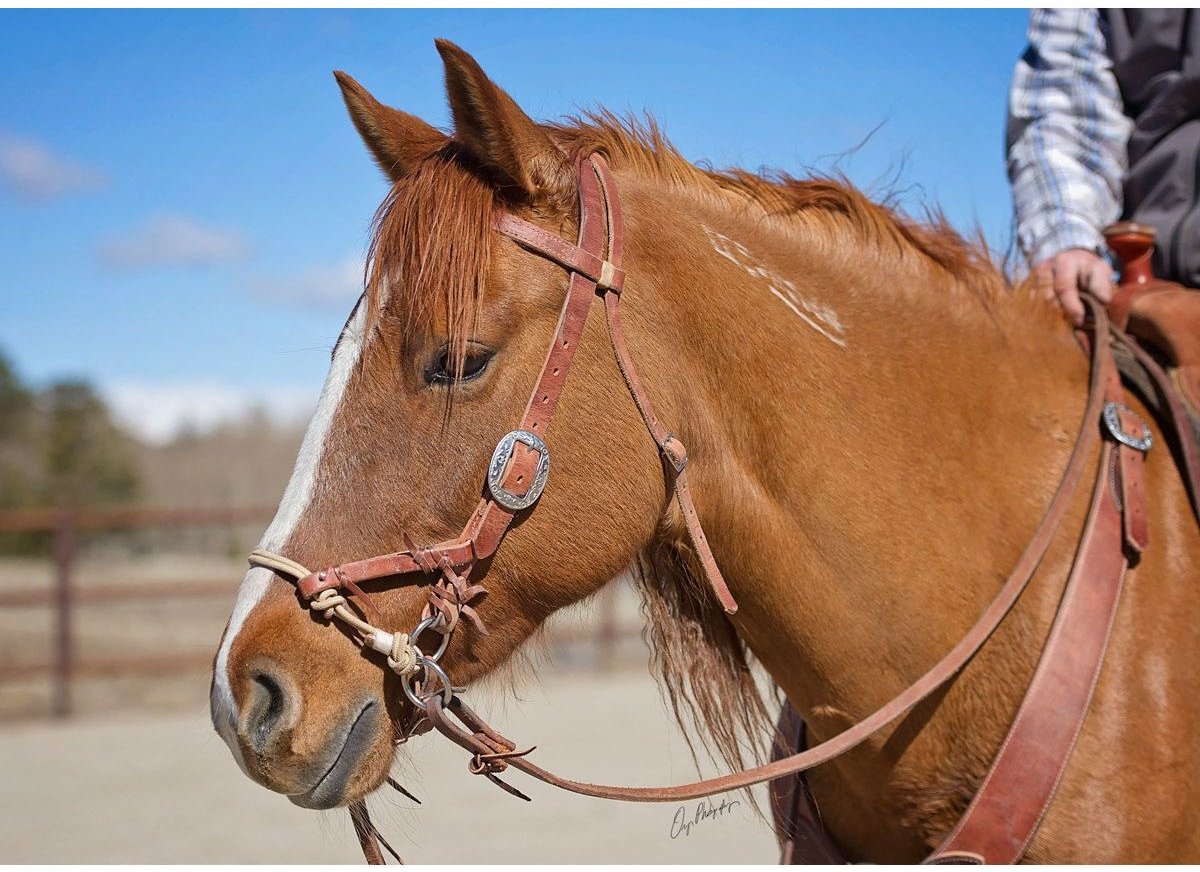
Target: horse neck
{"x": 872, "y": 443}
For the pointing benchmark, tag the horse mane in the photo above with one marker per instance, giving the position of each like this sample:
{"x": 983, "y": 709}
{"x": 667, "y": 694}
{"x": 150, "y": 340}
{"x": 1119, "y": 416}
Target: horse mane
{"x": 428, "y": 259}
{"x": 830, "y": 202}
{"x": 431, "y": 238}
{"x": 703, "y": 666}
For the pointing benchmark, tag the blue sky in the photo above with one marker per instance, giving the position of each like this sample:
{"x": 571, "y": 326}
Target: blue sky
{"x": 184, "y": 204}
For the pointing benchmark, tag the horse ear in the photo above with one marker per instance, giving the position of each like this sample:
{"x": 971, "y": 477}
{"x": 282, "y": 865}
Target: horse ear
{"x": 396, "y": 139}
{"x": 495, "y": 130}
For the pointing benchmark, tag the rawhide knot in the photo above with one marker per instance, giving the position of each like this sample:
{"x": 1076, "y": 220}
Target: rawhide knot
{"x": 326, "y": 601}
{"x": 405, "y": 658}
{"x": 495, "y": 762}
{"x": 481, "y": 764}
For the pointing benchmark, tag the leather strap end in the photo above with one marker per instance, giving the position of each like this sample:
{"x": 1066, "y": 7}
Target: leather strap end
{"x": 712, "y": 572}
{"x": 727, "y": 602}
{"x": 675, "y": 453}
{"x": 1133, "y": 501}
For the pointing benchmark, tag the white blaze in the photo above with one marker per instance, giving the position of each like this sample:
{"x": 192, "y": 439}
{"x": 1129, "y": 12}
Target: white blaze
{"x": 295, "y": 501}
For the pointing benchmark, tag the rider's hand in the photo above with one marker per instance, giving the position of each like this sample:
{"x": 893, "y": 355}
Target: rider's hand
{"x": 1067, "y": 273}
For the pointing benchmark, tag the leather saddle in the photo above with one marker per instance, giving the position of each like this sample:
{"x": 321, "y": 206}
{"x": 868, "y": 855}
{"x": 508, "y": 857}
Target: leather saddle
{"x": 1162, "y": 362}
{"x": 1163, "y": 316}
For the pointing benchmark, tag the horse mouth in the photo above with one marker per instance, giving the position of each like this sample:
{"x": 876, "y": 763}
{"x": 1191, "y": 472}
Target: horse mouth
{"x": 330, "y": 789}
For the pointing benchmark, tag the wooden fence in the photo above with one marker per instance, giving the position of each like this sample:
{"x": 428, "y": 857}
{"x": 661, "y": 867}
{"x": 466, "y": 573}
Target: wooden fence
{"x": 65, "y": 598}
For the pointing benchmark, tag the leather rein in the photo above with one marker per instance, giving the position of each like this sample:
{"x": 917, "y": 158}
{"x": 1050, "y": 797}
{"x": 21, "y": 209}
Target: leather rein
{"x": 518, "y": 472}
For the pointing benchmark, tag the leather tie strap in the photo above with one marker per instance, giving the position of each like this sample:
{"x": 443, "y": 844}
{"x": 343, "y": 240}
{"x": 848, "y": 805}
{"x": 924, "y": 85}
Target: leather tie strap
{"x": 1016, "y": 793}
{"x": 1006, "y": 811}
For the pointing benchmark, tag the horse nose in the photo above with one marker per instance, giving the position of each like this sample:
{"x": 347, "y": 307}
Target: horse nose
{"x": 271, "y": 707}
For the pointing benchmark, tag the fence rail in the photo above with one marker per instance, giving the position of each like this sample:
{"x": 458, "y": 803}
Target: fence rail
{"x": 122, "y": 594}
{"x": 65, "y": 597}
{"x": 127, "y": 518}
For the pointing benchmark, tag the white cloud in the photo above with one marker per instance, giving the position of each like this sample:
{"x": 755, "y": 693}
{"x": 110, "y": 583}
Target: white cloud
{"x": 34, "y": 172}
{"x": 173, "y": 240}
{"x": 157, "y": 412}
{"x": 335, "y": 285}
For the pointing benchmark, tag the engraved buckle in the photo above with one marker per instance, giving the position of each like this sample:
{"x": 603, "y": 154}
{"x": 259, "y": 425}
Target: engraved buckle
{"x": 1112, "y": 421}
{"x": 501, "y": 456}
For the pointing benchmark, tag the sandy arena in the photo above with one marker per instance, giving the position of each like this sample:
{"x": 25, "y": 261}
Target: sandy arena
{"x": 164, "y": 789}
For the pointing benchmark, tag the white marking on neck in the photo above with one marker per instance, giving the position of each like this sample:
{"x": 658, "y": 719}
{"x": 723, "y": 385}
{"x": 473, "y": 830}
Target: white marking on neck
{"x": 293, "y": 505}
{"x": 818, "y": 316}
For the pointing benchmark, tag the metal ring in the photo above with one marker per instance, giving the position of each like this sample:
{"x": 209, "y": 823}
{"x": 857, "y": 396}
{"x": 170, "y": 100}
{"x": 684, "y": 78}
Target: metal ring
{"x": 429, "y": 624}
{"x": 499, "y": 463}
{"x": 428, "y": 666}
{"x": 1112, "y": 422}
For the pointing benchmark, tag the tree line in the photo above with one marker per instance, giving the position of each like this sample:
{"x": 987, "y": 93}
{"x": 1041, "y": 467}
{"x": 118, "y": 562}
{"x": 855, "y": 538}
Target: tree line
{"x": 59, "y": 446}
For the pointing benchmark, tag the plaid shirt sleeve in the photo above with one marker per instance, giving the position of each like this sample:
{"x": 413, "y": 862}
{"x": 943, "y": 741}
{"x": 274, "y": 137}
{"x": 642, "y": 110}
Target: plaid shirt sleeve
{"x": 1067, "y": 135}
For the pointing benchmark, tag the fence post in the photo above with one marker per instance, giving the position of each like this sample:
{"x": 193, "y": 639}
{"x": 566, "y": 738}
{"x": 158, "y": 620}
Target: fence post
{"x": 64, "y": 662}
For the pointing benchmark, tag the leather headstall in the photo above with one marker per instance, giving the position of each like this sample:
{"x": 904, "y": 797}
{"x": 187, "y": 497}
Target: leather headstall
{"x": 520, "y": 465}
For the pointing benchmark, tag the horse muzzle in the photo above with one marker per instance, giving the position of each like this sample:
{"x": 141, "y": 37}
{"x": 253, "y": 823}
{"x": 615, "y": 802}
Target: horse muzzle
{"x": 320, "y": 752}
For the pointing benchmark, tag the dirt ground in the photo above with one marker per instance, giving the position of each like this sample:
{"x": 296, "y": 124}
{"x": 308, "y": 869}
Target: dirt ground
{"x": 162, "y": 788}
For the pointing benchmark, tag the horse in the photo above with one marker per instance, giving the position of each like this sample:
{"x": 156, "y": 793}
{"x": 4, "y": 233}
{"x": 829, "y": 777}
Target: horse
{"x": 875, "y": 420}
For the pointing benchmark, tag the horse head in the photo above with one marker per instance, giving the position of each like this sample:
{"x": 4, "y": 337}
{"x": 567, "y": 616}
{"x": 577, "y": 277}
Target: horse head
{"x": 433, "y": 367}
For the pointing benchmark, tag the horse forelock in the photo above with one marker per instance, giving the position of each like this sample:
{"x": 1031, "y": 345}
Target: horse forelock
{"x": 430, "y": 249}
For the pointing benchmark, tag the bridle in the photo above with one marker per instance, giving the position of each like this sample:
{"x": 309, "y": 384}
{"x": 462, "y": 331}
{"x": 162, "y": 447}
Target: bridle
{"x": 520, "y": 464}
{"x": 517, "y": 475}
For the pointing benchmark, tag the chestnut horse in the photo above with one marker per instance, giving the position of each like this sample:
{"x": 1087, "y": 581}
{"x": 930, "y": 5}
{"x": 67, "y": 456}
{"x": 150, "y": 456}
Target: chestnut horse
{"x": 876, "y": 422}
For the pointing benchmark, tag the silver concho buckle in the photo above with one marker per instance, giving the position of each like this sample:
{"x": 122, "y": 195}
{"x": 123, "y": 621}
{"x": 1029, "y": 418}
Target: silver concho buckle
{"x": 501, "y": 456}
{"x": 1112, "y": 421}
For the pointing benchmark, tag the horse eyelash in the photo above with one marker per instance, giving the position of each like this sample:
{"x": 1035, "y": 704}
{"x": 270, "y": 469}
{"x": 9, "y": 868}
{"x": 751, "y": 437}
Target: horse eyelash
{"x": 438, "y": 372}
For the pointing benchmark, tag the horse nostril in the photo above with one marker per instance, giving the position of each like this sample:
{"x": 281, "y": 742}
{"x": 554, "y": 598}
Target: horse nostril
{"x": 270, "y": 703}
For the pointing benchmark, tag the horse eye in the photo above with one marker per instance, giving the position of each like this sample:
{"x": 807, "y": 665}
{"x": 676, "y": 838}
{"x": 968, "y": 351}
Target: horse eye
{"x": 441, "y": 370}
